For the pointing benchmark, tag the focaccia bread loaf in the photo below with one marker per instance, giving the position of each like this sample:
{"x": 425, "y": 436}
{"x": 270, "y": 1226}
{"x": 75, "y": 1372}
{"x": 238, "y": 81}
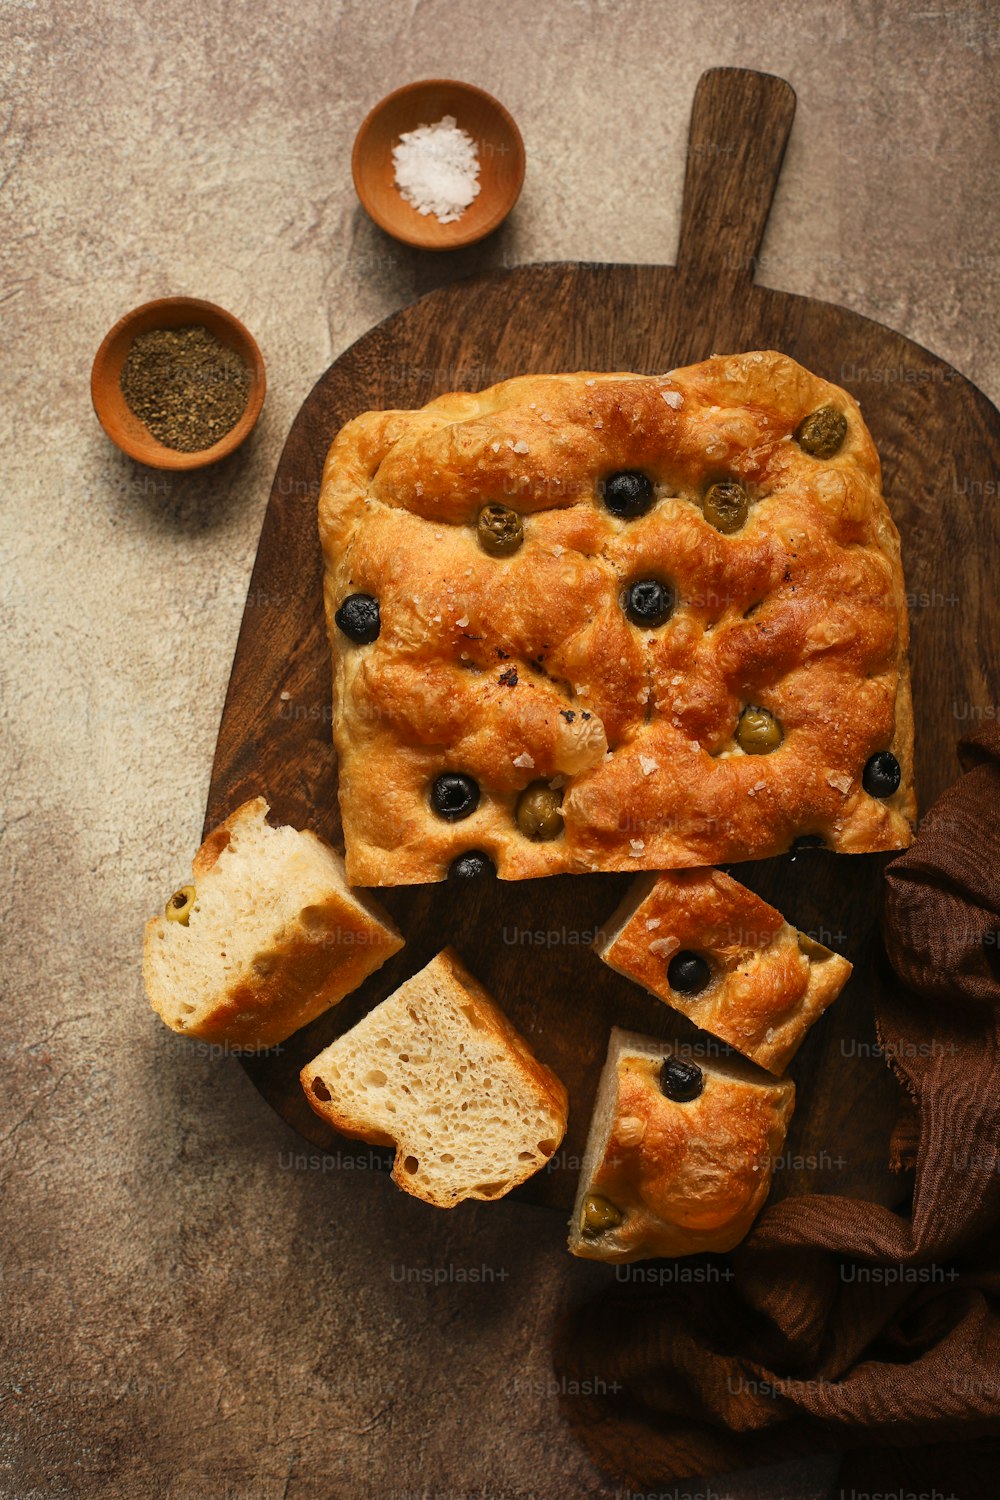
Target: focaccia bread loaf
{"x": 726, "y": 959}
{"x": 676, "y": 1175}
{"x": 613, "y": 621}
{"x": 267, "y": 937}
{"x": 439, "y": 1072}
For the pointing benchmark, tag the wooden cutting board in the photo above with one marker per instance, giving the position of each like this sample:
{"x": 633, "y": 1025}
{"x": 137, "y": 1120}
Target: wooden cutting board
{"x": 529, "y": 942}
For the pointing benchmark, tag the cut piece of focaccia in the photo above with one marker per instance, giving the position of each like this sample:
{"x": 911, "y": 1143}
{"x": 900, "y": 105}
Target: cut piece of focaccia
{"x": 730, "y": 962}
{"x": 680, "y": 1153}
{"x": 266, "y": 937}
{"x": 612, "y": 621}
{"x": 439, "y": 1072}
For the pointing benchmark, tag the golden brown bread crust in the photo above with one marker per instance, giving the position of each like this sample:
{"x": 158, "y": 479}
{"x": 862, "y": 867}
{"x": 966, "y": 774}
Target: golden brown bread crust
{"x": 769, "y": 982}
{"x": 325, "y": 954}
{"x": 310, "y": 974}
{"x": 802, "y": 612}
{"x": 689, "y": 1177}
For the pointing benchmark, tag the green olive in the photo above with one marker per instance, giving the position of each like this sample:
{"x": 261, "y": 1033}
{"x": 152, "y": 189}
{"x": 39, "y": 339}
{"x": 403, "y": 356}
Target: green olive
{"x": 538, "y": 812}
{"x": 758, "y": 732}
{"x": 822, "y": 432}
{"x": 599, "y": 1215}
{"x": 727, "y": 505}
{"x": 179, "y": 906}
{"x": 812, "y": 950}
{"x": 500, "y": 530}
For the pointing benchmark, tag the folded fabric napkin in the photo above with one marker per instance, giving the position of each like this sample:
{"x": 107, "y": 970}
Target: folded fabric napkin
{"x": 791, "y": 1356}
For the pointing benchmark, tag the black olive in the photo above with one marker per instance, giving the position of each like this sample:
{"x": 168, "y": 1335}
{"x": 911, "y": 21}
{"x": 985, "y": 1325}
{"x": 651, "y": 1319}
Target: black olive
{"x": 358, "y": 617}
{"x": 472, "y": 865}
{"x": 648, "y": 602}
{"x": 680, "y": 1081}
{"x": 881, "y": 776}
{"x": 454, "y": 796}
{"x": 628, "y": 494}
{"x": 688, "y": 973}
{"x": 500, "y": 530}
{"x": 822, "y": 432}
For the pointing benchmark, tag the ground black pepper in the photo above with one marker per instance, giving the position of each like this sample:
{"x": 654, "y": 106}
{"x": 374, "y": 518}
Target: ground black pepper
{"x": 188, "y": 387}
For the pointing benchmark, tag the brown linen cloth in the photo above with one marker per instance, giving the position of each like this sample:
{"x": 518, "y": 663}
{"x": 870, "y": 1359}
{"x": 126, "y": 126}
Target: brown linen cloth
{"x": 790, "y": 1356}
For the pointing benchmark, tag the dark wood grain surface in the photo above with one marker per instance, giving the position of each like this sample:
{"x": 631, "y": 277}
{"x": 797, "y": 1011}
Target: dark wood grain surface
{"x": 529, "y": 942}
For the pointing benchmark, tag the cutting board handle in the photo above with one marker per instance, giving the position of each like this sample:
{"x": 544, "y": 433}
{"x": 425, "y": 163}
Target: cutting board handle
{"x": 740, "y": 123}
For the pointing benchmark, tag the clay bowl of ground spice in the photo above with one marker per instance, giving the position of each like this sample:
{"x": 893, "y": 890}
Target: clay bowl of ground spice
{"x": 178, "y": 383}
{"x": 438, "y": 164}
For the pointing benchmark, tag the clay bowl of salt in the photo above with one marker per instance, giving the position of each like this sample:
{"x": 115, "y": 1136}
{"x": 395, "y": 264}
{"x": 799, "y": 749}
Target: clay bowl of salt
{"x": 438, "y": 164}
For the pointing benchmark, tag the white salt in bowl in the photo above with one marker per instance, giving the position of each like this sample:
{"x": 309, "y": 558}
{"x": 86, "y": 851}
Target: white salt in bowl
{"x": 499, "y": 148}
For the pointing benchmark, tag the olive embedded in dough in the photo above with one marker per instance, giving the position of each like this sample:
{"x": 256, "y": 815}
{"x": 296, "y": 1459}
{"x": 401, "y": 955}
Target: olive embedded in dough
{"x": 599, "y": 1215}
{"x": 688, "y": 973}
{"x": 472, "y": 865}
{"x": 648, "y": 603}
{"x": 882, "y": 775}
{"x": 681, "y": 1081}
{"x": 500, "y": 530}
{"x": 454, "y": 796}
{"x": 758, "y": 732}
{"x": 539, "y": 812}
{"x": 359, "y": 618}
{"x": 822, "y": 432}
{"x": 809, "y": 948}
{"x": 178, "y": 908}
{"x": 627, "y": 494}
{"x": 726, "y": 506}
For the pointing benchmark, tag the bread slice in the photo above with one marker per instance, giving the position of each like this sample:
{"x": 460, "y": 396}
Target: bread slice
{"x": 274, "y": 937}
{"x": 438, "y": 1071}
{"x": 768, "y": 982}
{"x": 676, "y": 1177}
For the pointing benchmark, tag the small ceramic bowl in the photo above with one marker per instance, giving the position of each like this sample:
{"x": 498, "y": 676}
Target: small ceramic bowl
{"x": 501, "y": 162}
{"x": 121, "y": 424}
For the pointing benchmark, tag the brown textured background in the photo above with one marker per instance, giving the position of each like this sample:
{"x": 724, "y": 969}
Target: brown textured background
{"x": 188, "y": 1313}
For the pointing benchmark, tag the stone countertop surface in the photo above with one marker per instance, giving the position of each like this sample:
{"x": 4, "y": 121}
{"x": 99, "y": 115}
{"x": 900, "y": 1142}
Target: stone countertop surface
{"x": 193, "y": 1307}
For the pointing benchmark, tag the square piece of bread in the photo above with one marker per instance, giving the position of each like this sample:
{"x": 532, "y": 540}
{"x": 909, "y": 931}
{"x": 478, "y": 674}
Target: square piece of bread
{"x": 675, "y": 1176}
{"x": 271, "y": 935}
{"x": 726, "y": 959}
{"x": 438, "y": 1071}
{"x": 614, "y": 621}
